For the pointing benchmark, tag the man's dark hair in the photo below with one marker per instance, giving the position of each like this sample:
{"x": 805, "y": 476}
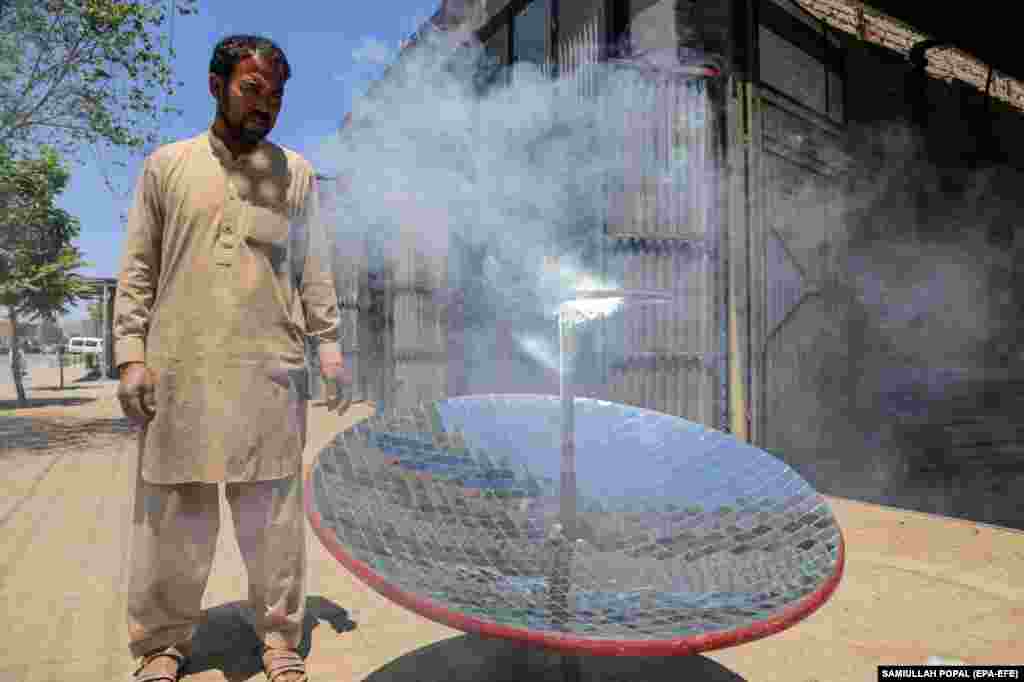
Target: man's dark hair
{"x": 234, "y": 49}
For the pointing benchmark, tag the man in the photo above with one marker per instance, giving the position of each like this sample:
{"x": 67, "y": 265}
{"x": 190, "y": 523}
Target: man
{"x": 210, "y": 321}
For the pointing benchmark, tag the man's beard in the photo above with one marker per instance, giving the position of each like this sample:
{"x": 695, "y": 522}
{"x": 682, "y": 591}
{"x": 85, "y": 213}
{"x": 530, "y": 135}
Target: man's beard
{"x": 252, "y": 136}
{"x": 241, "y": 132}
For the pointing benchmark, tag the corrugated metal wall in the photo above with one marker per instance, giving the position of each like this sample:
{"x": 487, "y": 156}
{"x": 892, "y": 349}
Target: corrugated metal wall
{"x": 420, "y": 337}
{"x": 665, "y": 356}
{"x": 579, "y": 45}
{"x": 662, "y": 234}
{"x": 377, "y": 326}
{"x": 665, "y": 191}
{"x": 658, "y": 234}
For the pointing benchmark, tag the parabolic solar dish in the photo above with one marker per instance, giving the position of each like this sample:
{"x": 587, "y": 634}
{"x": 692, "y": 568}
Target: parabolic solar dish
{"x": 684, "y": 539}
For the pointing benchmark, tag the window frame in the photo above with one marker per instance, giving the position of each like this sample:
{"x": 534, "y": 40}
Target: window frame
{"x": 550, "y": 49}
{"x": 823, "y": 44}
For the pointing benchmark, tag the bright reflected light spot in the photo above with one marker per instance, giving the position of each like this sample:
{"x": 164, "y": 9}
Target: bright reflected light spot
{"x": 586, "y": 309}
{"x": 587, "y": 282}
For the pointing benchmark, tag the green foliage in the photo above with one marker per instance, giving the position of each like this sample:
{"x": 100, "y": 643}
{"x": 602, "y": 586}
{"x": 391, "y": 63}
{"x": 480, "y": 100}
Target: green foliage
{"x": 484, "y": 461}
{"x": 84, "y": 72}
{"x": 533, "y": 488}
{"x": 37, "y": 259}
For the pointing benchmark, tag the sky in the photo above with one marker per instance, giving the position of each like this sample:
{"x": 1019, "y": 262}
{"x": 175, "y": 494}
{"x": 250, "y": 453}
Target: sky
{"x": 332, "y": 48}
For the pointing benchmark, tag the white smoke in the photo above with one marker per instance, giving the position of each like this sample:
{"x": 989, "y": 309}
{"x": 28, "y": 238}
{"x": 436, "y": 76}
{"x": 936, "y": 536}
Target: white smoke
{"x": 517, "y": 173}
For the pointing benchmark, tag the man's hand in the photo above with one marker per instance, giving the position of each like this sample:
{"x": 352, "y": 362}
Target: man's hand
{"x": 338, "y": 378}
{"x": 137, "y": 392}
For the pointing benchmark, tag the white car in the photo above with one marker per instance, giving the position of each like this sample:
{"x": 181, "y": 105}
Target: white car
{"x": 86, "y": 345}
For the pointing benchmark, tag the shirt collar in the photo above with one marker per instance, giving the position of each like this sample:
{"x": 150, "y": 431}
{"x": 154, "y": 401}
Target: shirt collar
{"x": 221, "y": 152}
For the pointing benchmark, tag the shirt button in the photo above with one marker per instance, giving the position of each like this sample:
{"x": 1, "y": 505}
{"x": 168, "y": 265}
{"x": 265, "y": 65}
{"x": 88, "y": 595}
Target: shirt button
{"x": 228, "y": 229}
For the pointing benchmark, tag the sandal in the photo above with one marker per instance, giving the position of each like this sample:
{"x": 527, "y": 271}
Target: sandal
{"x": 169, "y": 652}
{"x": 282, "y": 661}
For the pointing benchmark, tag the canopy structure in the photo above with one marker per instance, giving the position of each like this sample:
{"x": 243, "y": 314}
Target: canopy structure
{"x": 104, "y": 289}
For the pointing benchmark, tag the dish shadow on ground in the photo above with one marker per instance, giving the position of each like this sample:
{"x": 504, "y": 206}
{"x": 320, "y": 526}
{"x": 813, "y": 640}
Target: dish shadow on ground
{"x": 469, "y": 658}
{"x": 225, "y": 641}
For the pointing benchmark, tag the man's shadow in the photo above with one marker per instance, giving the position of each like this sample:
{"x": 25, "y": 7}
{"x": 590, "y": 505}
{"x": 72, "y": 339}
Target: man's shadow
{"x": 225, "y": 641}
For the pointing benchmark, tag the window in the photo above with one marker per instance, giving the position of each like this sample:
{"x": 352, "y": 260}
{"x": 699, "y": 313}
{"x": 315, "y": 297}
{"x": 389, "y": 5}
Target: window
{"x": 792, "y": 71}
{"x": 801, "y": 58}
{"x": 529, "y": 34}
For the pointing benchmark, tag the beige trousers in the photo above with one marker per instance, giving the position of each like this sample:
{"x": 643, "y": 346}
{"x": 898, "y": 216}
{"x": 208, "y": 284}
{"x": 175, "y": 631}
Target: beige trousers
{"x": 174, "y": 538}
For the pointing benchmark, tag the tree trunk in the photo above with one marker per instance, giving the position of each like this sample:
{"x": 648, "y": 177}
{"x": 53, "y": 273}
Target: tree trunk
{"x": 16, "y": 360}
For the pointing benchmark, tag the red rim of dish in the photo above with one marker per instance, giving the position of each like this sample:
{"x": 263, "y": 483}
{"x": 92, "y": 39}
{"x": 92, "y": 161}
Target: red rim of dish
{"x": 680, "y": 646}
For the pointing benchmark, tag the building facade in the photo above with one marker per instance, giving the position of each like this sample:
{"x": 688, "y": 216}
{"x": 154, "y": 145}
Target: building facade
{"x": 846, "y": 277}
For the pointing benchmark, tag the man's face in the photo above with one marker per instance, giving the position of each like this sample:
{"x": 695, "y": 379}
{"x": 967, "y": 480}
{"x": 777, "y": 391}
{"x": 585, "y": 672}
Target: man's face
{"x": 250, "y": 102}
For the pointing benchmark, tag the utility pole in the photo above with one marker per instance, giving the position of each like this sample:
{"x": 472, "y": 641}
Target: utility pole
{"x": 104, "y": 356}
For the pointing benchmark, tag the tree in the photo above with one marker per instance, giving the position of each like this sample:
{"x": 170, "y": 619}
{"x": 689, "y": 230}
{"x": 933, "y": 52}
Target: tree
{"x": 532, "y": 487}
{"x": 485, "y": 462}
{"x": 49, "y": 331}
{"x": 80, "y": 74}
{"x": 37, "y": 260}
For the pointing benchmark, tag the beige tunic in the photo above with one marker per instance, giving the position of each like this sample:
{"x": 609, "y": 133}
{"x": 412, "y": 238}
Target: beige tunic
{"x": 206, "y": 299}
